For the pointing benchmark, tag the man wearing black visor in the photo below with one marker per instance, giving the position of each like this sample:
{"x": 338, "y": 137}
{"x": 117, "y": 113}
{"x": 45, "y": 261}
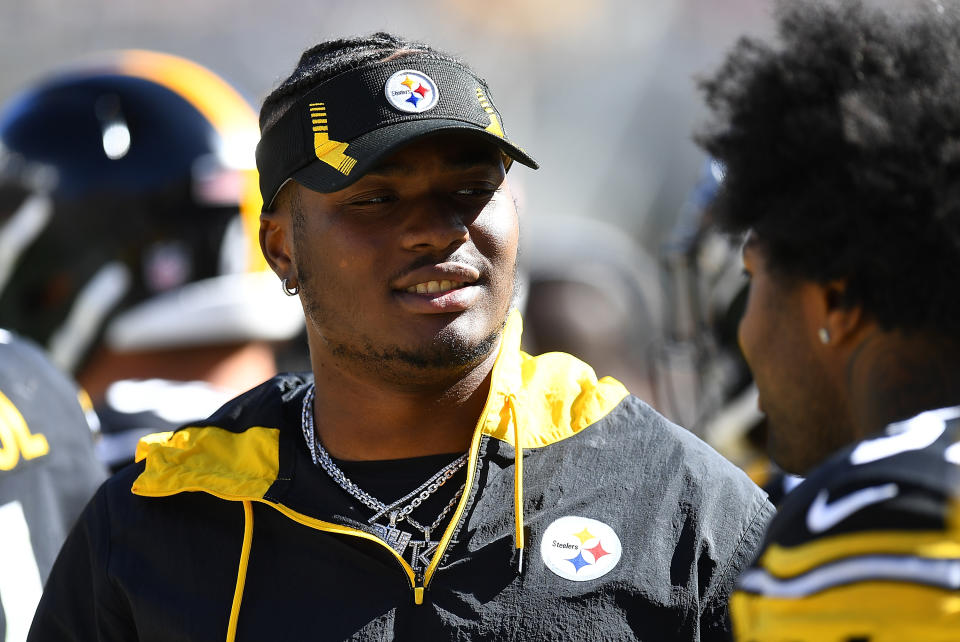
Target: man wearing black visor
{"x": 427, "y": 480}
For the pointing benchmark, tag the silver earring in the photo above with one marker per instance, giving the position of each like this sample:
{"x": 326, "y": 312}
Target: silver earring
{"x": 294, "y": 291}
{"x": 824, "y": 335}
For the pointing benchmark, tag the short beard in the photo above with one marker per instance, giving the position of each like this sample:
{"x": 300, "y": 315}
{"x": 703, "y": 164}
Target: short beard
{"x": 445, "y": 353}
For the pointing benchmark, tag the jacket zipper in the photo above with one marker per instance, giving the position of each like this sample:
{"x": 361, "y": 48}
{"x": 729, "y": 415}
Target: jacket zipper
{"x": 419, "y": 581}
{"x": 418, "y": 588}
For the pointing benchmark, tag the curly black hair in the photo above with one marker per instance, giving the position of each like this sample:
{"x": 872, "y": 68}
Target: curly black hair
{"x": 327, "y": 59}
{"x": 841, "y": 145}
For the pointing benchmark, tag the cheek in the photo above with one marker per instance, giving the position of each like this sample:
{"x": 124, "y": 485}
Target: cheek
{"x": 337, "y": 253}
{"x": 496, "y": 234}
{"x": 753, "y": 333}
{"x": 745, "y": 330}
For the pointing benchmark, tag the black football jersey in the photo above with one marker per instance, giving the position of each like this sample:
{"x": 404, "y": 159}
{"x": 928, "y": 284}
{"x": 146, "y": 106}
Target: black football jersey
{"x": 48, "y": 471}
{"x": 867, "y": 549}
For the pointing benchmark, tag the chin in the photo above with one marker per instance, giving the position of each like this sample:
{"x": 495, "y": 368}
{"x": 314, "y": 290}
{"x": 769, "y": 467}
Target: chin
{"x": 452, "y": 349}
{"x": 795, "y": 459}
{"x": 789, "y": 465}
{"x": 444, "y": 352}
{"x": 785, "y": 450}
{"x": 464, "y": 333}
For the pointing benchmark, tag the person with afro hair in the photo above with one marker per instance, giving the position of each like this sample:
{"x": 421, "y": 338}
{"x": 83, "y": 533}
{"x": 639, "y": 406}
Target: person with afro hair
{"x": 841, "y": 149}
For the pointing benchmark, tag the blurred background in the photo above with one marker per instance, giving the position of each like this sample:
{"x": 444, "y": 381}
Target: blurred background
{"x": 601, "y": 92}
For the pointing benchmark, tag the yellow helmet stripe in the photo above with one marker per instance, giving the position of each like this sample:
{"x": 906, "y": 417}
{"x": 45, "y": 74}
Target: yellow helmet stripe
{"x": 219, "y": 103}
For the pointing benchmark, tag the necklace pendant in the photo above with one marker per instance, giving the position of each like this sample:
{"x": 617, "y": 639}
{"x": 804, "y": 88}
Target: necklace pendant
{"x": 393, "y": 537}
{"x": 421, "y": 553}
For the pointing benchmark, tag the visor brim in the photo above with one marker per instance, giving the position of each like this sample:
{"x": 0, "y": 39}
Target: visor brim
{"x": 370, "y": 148}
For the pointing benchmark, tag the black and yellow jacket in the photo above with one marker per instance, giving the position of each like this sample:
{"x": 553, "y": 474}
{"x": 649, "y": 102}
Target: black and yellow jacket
{"x": 229, "y": 531}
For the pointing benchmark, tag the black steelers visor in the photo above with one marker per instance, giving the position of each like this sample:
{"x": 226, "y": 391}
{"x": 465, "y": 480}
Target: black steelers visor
{"x": 335, "y": 133}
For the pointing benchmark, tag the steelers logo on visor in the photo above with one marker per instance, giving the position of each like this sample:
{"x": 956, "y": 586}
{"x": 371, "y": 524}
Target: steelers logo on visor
{"x": 411, "y": 91}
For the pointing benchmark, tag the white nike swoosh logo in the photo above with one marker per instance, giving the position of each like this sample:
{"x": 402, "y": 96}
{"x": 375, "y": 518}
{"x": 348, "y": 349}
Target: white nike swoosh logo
{"x": 823, "y": 516}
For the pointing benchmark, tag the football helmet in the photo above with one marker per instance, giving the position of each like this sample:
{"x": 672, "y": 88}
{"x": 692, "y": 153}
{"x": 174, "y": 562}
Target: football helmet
{"x": 129, "y": 212}
{"x": 702, "y": 378}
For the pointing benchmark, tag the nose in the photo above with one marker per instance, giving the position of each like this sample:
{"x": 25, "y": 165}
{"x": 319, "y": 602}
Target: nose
{"x": 434, "y": 226}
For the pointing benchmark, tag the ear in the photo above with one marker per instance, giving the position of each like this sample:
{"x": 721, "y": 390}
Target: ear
{"x": 276, "y": 241}
{"x": 844, "y": 324}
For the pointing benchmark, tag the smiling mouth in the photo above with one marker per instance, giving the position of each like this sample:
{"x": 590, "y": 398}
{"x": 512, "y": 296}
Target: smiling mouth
{"x": 432, "y": 287}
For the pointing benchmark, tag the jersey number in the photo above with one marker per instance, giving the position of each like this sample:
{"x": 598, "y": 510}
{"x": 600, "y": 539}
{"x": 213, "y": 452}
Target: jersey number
{"x": 16, "y": 438}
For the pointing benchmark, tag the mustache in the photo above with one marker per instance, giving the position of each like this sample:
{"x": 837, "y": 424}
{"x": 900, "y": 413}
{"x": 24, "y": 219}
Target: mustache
{"x": 426, "y": 261}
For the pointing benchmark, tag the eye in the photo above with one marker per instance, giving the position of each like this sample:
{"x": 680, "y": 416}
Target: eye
{"x": 477, "y": 192}
{"x": 370, "y": 200}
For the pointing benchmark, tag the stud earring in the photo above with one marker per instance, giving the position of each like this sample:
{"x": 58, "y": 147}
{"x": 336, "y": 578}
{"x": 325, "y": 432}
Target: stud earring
{"x": 824, "y": 335}
{"x": 294, "y": 291}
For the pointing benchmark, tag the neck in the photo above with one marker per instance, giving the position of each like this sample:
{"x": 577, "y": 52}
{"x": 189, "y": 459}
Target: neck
{"x": 895, "y": 376}
{"x": 360, "y": 418}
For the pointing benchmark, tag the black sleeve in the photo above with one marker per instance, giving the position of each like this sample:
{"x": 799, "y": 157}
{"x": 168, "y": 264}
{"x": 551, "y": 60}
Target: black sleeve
{"x": 80, "y": 602}
{"x": 715, "y": 624}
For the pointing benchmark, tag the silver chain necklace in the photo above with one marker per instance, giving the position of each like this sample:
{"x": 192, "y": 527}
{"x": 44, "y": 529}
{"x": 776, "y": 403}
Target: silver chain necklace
{"x": 395, "y": 512}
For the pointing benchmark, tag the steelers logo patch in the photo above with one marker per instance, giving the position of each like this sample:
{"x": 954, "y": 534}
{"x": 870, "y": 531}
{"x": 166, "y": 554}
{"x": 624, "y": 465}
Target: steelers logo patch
{"x": 580, "y": 548}
{"x": 411, "y": 91}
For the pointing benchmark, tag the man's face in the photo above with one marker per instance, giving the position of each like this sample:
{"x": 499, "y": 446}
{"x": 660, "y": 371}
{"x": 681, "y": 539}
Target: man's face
{"x": 805, "y": 416}
{"x": 409, "y": 272}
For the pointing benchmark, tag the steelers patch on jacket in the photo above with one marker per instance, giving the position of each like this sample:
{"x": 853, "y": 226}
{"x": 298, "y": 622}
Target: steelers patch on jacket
{"x": 580, "y": 548}
{"x": 411, "y": 91}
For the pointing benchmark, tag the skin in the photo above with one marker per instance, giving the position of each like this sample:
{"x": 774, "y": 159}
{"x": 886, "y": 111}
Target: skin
{"x": 820, "y": 397}
{"x": 401, "y": 374}
{"x": 797, "y": 384}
